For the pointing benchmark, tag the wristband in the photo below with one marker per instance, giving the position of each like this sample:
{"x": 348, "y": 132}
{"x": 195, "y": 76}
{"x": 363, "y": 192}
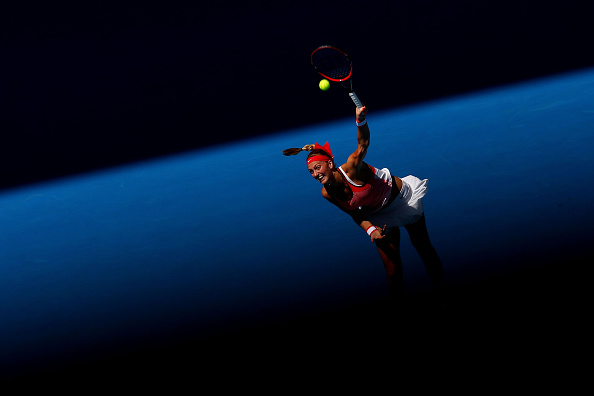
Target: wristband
{"x": 370, "y": 230}
{"x": 361, "y": 123}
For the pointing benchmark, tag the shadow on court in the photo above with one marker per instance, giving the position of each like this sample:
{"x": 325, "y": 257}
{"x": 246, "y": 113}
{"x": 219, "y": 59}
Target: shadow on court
{"x": 505, "y": 315}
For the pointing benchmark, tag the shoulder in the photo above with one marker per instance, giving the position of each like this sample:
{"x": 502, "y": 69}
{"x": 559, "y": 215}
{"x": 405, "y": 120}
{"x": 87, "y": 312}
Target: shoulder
{"x": 345, "y": 168}
{"x": 360, "y": 173}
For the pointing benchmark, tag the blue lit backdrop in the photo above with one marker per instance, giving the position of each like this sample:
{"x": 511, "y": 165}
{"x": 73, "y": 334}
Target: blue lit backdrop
{"x": 239, "y": 235}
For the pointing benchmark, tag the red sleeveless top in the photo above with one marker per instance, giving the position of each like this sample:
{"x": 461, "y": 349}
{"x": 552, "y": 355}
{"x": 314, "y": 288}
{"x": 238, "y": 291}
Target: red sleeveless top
{"x": 371, "y": 196}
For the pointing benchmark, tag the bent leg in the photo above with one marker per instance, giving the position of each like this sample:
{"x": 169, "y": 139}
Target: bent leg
{"x": 419, "y": 236}
{"x": 389, "y": 250}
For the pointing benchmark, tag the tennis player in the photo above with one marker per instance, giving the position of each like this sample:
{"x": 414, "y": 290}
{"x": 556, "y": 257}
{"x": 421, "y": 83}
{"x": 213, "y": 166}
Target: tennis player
{"x": 379, "y": 203}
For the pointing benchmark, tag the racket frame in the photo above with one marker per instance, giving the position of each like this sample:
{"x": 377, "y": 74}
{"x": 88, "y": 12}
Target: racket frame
{"x": 345, "y": 82}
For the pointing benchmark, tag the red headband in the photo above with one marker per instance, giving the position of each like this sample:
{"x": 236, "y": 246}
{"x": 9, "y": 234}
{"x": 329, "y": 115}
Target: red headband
{"x": 321, "y": 157}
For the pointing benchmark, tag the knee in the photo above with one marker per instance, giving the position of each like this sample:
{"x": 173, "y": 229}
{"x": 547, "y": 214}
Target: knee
{"x": 426, "y": 251}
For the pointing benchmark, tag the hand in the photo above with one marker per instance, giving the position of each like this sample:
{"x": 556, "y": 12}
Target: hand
{"x": 361, "y": 113}
{"x": 378, "y": 233}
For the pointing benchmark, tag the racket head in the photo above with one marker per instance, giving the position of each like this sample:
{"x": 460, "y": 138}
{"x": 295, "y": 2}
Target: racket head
{"x": 332, "y": 63}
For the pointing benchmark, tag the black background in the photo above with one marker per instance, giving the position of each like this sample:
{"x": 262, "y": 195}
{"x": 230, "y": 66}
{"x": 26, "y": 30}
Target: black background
{"x": 91, "y": 86}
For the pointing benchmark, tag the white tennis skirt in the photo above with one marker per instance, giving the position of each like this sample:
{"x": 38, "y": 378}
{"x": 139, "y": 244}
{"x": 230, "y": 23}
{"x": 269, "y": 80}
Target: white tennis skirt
{"x": 407, "y": 207}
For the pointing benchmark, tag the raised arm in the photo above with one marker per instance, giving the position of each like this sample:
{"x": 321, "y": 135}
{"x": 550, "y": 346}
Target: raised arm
{"x": 355, "y": 160}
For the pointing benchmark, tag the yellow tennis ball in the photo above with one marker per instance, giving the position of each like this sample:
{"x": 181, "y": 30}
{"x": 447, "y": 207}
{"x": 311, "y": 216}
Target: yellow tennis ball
{"x": 324, "y": 85}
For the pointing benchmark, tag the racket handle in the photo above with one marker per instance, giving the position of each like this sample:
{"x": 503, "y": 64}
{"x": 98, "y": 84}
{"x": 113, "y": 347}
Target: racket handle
{"x": 355, "y": 99}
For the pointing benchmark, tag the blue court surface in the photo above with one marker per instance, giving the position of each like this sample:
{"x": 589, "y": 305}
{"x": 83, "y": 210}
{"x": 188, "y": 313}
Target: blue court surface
{"x": 238, "y": 237}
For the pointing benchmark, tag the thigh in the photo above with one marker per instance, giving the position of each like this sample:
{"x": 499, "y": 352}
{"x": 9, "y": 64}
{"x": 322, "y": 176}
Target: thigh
{"x": 393, "y": 236}
{"x": 391, "y": 242}
{"x": 389, "y": 250}
{"x": 418, "y": 232}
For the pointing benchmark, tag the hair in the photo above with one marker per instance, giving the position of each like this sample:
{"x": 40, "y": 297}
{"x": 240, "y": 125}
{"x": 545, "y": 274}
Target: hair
{"x": 295, "y": 151}
{"x": 308, "y": 147}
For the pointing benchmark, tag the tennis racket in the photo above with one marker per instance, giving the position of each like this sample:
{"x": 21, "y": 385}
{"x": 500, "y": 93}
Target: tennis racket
{"x": 335, "y": 65}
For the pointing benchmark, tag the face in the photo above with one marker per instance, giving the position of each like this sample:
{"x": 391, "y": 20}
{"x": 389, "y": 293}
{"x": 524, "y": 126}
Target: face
{"x": 321, "y": 171}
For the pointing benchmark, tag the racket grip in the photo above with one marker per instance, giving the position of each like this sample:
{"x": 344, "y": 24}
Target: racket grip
{"x": 355, "y": 99}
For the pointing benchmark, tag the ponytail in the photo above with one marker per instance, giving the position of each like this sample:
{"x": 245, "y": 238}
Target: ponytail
{"x": 316, "y": 152}
{"x": 295, "y": 151}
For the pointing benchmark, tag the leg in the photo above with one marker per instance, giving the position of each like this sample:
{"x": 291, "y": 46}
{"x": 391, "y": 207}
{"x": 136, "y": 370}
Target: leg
{"x": 421, "y": 242}
{"x": 389, "y": 250}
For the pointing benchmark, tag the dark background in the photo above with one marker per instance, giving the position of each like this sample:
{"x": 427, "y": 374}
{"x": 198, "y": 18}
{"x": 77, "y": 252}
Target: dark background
{"x": 92, "y": 86}
{"x": 98, "y": 85}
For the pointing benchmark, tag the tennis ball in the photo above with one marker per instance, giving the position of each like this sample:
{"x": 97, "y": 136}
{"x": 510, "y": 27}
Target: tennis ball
{"x": 324, "y": 85}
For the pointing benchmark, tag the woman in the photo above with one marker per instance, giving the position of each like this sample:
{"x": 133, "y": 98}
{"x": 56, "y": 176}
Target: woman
{"x": 379, "y": 203}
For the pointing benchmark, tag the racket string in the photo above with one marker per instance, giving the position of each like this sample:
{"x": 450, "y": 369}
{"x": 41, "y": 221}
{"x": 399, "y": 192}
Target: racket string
{"x": 332, "y": 63}
{"x": 339, "y": 73}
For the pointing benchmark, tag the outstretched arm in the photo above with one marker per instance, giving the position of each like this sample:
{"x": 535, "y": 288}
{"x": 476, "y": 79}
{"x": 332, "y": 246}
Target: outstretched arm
{"x": 363, "y": 221}
{"x": 358, "y": 217}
